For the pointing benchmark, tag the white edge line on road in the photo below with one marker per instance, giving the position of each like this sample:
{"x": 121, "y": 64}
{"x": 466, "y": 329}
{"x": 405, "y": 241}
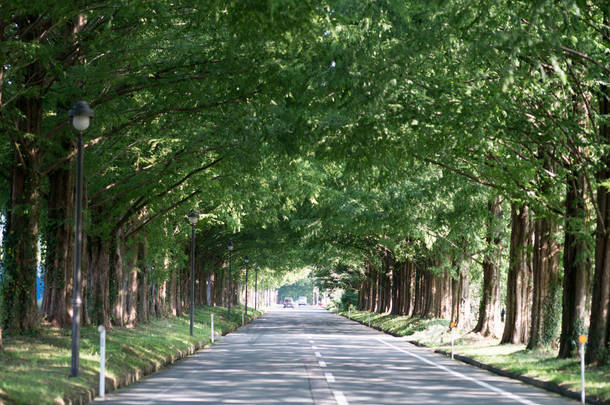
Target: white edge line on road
{"x": 329, "y": 377}
{"x": 460, "y": 375}
{"x": 340, "y": 398}
{"x": 318, "y": 354}
{"x": 322, "y": 363}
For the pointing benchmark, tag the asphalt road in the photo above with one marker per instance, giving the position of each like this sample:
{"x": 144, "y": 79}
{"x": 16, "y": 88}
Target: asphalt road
{"x": 310, "y": 356}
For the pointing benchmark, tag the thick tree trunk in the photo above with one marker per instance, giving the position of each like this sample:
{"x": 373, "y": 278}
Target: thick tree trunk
{"x": 576, "y": 264}
{"x": 99, "y": 262}
{"x": 132, "y": 290}
{"x": 387, "y": 291}
{"x": 118, "y": 310}
{"x": 410, "y": 289}
{"x": 519, "y": 280}
{"x": 23, "y": 217}
{"x": 460, "y": 309}
{"x": 374, "y": 283}
{"x": 489, "y": 308}
{"x": 208, "y": 284}
{"x": 545, "y": 308}
{"x": 446, "y": 295}
{"x": 20, "y": 256}
{"x": 143, "y": 314}
{"x": 599, "y": 325}
{"x": 59, "y": 233}
{"x": 418, "y": 300}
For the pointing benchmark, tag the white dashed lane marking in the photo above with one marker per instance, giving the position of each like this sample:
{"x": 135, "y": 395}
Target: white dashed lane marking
{"x": 340, "y": 398}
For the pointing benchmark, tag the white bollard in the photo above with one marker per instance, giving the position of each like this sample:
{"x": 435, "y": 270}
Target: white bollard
{"x": 102, "y": 331}
{"x": 349, "y": 313}
{"x": 582, "y": 339}
{"x": 212, "y": 327}
{"x": 369, "y": 318}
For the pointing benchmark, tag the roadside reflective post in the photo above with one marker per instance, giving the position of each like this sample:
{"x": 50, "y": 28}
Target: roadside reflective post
{"x": 212, "y": 327}
{"x": 451, "y": 327}
{"x": 102, "y": 331}
{"x": 349, "y": 312}
{"x": 582, "y": 339}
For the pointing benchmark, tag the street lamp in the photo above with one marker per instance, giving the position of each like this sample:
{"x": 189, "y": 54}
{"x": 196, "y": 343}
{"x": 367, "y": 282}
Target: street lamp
{"x": 193, "y": 217}
{"x": 230, "y": 247}
{"x": 246, "y": 259}
{"x": 256, "y": 287}
{"x": 81, "y": 115}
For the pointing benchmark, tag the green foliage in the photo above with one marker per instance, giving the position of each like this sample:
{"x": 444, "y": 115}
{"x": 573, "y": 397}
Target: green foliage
{"x": 301, "y": 288}
{"x": 349, "y": 299}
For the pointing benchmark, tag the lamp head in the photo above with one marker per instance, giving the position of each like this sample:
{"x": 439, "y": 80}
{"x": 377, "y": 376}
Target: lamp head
{"x": 81, "y": 115}
{"x": 193, "y": 217}
{"x": 230, "y": 245}
{"x": 246, "y": 259}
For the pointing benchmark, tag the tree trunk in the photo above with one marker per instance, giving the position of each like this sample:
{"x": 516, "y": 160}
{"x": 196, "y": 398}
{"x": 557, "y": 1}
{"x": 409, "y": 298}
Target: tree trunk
{"x": 143, "y": 295}
{"x": 545, "y": 312}
{"x": 121, "y": 281}
{"x": 489, "y": 308}
{"x": 23, "y": 217}
{"x": 132, "y": 290}
{"x": 172, "y": 292}
{"x": 99, "y": 262}
{"x": 374, "y": 281}
{"x": 599, "y": 325}
{"x": 59, "y": 234}
{"x": 446, "y": 295}
{"x": 460, "y": 310}
{"x": 518, "y": 288}
{"x": 576, "y": 264}
{"x": 20, "y": 256}
{"x": 410, "y": 288}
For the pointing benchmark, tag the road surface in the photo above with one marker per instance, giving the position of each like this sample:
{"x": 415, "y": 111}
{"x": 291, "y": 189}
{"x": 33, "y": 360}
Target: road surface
{"x": 310, "y": 356}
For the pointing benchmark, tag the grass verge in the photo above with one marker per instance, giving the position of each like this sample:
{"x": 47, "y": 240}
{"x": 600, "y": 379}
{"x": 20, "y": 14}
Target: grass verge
{"x": 541, "y": 365}
{"x": 34, "y": 369}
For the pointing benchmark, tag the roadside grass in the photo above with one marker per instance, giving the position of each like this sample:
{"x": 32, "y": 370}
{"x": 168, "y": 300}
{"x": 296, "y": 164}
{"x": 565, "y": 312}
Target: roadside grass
{"x": 34, "y": 369}
{"x": 541, "y": 364}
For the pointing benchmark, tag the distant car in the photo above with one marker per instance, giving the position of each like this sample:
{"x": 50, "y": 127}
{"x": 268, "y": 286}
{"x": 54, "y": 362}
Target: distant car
{"x": 288, "y": 303}
{"x": 302, "y": 301}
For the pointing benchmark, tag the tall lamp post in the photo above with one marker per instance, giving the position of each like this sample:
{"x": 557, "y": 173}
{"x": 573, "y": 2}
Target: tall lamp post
{"x": 256, "y": 287}
{"x": 247, "y": 260}
{"x": 193, "y": 217}
{"x": 81, "y": 115}
{"x": 230, "y": 247}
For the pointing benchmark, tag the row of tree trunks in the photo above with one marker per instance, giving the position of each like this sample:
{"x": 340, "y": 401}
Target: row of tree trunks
{"x": 59, "y": 263}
